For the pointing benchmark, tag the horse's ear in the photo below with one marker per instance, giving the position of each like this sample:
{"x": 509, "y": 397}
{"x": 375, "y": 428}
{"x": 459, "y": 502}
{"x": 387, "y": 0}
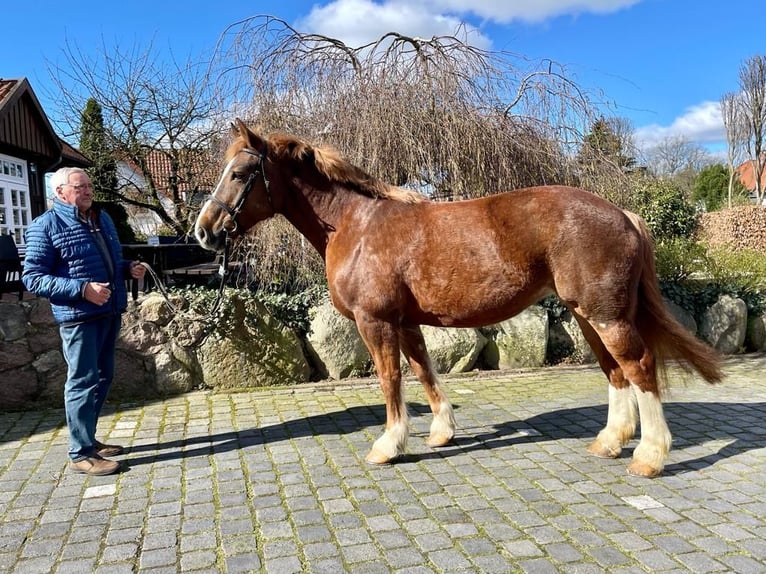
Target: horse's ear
{"x": 253, "y": 140}
{"x": 240, "y": 126}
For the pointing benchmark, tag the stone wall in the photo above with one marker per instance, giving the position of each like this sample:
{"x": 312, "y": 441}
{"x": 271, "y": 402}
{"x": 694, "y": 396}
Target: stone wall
{"x": 162, "y": 353}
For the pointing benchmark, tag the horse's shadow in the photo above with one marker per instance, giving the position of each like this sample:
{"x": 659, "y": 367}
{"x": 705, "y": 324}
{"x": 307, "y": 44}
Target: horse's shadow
{"x": 692, "y": 424}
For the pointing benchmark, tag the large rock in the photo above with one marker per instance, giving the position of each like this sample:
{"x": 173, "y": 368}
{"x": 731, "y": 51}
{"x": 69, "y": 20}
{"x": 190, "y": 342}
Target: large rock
{"x": 452, "y": 350}
{"x": 682, "y": 316}
{"x": 13, "y": 322}
{"x": 520, "y": 341}
{"x": 755, "y": 339}
{"x": 334, "y": 344}
{"x": 581, "y": 351}
{"x": 177, "y": 370}
{"x": 724, "y": 325}
{"x": 250, "y": 348}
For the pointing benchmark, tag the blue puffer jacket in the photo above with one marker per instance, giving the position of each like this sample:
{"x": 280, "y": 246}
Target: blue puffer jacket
{"x": 62, "y": 256}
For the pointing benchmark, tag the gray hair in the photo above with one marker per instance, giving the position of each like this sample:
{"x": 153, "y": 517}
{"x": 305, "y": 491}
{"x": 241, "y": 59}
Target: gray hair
{"x": 61, "y": 176}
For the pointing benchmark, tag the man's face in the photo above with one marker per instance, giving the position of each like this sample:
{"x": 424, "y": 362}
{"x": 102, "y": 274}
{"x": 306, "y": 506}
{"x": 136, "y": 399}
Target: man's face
{"x": 78, "y": 191}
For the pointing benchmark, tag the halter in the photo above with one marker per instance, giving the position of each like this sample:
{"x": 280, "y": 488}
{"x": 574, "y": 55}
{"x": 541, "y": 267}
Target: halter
{"x": 230, "y": 226}
{"x": 233, "y": 212}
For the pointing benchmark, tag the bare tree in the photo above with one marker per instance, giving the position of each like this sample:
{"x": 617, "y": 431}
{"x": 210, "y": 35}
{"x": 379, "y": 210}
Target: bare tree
{"x": 752, "y": 80}
{"x": 731, "y": 114}
{"x": 675, "y": 154}
{"x": 154, "y": 114}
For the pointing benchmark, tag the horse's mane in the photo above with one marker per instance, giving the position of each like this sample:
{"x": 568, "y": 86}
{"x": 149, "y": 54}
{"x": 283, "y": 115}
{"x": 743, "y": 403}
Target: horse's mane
{"x": 330, "y": 164}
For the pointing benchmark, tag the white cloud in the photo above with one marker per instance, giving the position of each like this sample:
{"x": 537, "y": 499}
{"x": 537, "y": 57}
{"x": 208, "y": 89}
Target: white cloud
{"x": 504, "y": 11}
{"x": 701, "y": 124}
{"x": 358, "y": 22}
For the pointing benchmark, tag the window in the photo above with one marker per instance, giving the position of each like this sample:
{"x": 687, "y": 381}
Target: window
{"x": 15, "y": 214}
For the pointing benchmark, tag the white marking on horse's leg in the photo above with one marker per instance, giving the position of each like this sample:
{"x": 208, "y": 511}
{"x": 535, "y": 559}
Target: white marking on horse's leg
{"x": 620, "y": 423}
{"x": 392, "y": 443}
{"x": 651, "y": 453}
{"x": 443, "y": 425}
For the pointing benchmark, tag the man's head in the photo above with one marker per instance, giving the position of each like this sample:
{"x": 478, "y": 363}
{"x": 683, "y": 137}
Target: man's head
{"x": 72, "y": 185}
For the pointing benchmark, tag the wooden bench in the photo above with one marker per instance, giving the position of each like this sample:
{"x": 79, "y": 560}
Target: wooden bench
{"x": 196, "y": 274}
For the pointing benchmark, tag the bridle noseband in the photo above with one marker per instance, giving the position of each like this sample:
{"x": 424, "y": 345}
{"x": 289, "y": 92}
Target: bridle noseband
{"x": 234, "y": 212}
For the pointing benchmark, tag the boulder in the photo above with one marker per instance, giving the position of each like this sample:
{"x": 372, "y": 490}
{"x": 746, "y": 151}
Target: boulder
{"x": 250, "y": 348}
{"x": 334, "y": 344}
{"x": 724, "y": 325}
{"x": 682, "y": 316}
{"x": 13, "y": 322}
{"x": 451, "y": 350}
{"x": 520, "y": 341}
{"x": 755, "y": 338}
{"x": 176, "y": 370}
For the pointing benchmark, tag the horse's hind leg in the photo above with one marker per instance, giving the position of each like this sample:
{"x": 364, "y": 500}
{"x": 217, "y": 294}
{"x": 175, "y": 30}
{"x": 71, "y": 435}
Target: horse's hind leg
{"x": 414, "y": 348}
{"x": 624, "y": 343}
{"x": 382, "y": 341}
{"x": 622, "y": 416}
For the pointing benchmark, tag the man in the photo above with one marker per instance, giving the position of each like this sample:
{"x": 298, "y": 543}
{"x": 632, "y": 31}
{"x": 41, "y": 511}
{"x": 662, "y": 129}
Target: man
{"x": 74, "y": 259}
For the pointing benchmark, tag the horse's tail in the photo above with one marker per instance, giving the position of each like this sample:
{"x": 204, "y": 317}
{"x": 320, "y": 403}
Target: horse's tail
{"x": 667, "y": 339}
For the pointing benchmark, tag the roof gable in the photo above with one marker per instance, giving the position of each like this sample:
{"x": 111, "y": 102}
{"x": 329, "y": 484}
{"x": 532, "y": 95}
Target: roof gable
{"x": 24, "y": 127}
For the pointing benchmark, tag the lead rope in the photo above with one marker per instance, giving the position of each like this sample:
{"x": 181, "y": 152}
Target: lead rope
{"x": 223, "y": 271}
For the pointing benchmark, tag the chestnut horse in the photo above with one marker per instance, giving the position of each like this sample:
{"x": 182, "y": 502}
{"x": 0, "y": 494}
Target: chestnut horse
{"x": 395, "y": 261}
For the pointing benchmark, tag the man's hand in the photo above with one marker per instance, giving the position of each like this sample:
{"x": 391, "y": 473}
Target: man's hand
{"x": 137, "y": 270}
{"x": 97, "y": 293}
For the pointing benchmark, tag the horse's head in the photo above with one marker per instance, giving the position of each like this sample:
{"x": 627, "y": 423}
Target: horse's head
{"x": 242, "y": 197}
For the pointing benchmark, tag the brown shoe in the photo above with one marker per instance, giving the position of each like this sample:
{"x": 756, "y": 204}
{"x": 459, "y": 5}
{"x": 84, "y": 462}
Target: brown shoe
{"x": 107, "y": 450}
{"x": 95, "y": 466}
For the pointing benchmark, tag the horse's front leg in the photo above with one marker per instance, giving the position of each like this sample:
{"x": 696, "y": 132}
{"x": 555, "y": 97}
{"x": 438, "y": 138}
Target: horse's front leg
{"x": 414, "y": 348}
{"x": 382, "y": 341}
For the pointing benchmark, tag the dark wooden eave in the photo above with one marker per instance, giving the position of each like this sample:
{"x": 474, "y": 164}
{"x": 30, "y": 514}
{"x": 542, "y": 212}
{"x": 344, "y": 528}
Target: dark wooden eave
{"x": 25, "y": 131}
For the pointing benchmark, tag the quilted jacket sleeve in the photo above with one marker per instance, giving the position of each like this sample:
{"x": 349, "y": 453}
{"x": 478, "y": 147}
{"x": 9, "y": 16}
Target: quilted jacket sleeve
{"x": 40, "y": 264}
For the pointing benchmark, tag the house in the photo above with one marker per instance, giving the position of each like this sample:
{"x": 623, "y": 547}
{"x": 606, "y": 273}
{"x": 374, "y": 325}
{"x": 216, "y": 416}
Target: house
{"x": 29, "y": 148}
{"x": 195, "y": 173}
{"x": 746, "y": 175}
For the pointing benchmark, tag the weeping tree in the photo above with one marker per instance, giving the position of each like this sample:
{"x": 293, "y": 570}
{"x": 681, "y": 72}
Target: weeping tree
{"x": 436, "y": 114}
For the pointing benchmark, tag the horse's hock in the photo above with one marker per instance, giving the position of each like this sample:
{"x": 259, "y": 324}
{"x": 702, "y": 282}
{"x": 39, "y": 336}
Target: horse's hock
{"x": 160, "y": 354}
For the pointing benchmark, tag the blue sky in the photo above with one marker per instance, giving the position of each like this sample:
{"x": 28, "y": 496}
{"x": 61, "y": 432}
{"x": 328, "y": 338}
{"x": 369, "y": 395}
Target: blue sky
{"x": 664, "y": 64}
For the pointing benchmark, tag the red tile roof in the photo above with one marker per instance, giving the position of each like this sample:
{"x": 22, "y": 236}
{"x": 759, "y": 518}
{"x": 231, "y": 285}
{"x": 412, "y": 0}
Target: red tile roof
{"x": 746, "y": 174}
{"x": 197, "y": 171}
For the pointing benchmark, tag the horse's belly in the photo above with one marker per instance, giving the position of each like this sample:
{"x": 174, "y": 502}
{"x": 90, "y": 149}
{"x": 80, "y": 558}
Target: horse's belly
{"x": 474, "y": 306}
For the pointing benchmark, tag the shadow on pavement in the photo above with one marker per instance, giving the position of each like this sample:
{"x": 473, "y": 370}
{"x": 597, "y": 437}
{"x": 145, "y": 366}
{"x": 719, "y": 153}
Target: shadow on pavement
{"x": 691, "y": 423}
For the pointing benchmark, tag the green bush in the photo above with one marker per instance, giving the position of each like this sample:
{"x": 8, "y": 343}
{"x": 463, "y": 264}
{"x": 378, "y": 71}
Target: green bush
{"x": 741, "y": 273}
{"x": 679, "y": 258}
{"x": 292, "y": 309}
{"x": 708, "y": 274}
{"x": 665, "y": 208}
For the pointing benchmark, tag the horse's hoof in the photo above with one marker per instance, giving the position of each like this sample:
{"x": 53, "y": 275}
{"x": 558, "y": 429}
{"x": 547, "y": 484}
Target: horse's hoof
{"x": 436, "y": 441}
{"x": 603, "y": 451}
{"x": 377, "y": 458}
{"x": 643, "y": 469}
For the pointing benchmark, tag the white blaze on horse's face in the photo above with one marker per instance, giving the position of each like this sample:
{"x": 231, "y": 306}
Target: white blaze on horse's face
{"x": 204, "y": 228}
{"x": 224, "y": 176}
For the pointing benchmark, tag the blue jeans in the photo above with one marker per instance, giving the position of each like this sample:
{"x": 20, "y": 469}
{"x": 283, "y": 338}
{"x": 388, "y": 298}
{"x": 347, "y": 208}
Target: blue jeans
{"x": 89, "y": 352}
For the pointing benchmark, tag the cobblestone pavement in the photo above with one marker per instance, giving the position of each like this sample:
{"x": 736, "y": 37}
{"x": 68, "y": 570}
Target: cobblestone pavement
{"x": 274, "y": 480}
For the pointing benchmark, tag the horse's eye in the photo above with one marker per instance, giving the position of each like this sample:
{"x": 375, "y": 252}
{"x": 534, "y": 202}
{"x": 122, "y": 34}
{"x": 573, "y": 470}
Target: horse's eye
{"x": 237, "y": 176}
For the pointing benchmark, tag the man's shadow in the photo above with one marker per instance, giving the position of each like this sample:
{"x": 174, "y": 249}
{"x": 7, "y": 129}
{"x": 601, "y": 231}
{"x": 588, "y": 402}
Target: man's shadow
{"x": 691, "y": 423}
